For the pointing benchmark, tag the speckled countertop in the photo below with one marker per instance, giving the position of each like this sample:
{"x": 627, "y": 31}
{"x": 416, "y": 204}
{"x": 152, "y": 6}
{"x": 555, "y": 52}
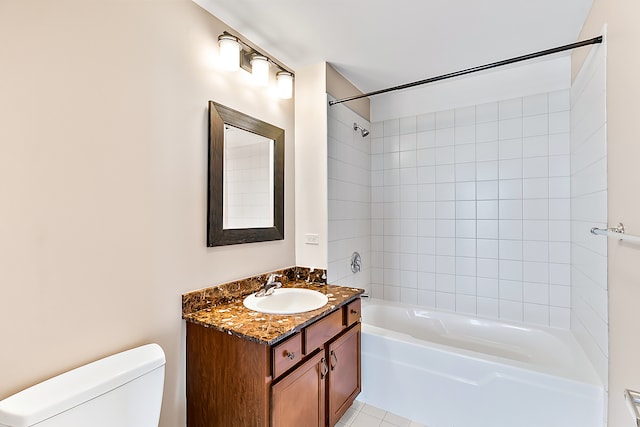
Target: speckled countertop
{"x": 221, "y": 307}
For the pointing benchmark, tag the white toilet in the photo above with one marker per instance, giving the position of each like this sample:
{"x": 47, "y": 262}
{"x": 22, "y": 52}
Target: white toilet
{"x": 123, "y": 390}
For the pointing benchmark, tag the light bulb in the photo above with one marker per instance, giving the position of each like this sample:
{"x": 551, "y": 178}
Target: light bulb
{"x": 229, "y": 52}
{"x": 260, "y": 70}
{"x": 285, "y": 84}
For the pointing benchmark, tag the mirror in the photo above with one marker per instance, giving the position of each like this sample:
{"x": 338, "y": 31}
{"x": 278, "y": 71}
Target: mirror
{"x": 247, "y": 193}
{"x": 245, "y": 200}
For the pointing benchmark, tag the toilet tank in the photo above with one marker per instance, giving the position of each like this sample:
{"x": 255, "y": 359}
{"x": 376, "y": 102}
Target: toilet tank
{"x": 122, "y": 390}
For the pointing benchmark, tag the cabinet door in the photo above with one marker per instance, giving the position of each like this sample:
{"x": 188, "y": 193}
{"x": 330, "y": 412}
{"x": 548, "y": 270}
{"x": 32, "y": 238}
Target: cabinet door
{"x": 344, "y": 374}
{"x": 298, "y": 400}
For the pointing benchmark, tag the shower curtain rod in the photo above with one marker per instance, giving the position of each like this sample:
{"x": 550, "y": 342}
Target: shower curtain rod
{"x": 582, "y": 43}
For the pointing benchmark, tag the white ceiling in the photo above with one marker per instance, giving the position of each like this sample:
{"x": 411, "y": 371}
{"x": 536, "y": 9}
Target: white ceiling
{"x": 381, "y": 43}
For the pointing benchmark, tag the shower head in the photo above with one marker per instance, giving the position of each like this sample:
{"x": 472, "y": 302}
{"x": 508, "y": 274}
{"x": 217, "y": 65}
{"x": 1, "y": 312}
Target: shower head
{"x": 363, "y": 131}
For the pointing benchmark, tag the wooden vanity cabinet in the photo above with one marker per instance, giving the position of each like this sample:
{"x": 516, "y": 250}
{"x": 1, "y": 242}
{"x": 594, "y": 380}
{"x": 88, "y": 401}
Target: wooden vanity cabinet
{"x": 309, "y": 379}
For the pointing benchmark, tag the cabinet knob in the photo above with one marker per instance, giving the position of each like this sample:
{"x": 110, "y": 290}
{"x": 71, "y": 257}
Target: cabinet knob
{"x": 353, "y": 311}
{"x": 290, "y": 355}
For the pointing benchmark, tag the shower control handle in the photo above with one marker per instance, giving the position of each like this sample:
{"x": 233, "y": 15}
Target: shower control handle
{"x": 356, "y": 262}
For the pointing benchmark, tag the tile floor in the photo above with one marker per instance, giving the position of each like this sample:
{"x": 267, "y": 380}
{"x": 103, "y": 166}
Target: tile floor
{"x": 362, "y": 415}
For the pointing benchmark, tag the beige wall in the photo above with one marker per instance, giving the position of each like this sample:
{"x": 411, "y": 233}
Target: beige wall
{"x": 623, "y": 151}
{"x": 103, "y": 159}
{"x": 339, "y": 87}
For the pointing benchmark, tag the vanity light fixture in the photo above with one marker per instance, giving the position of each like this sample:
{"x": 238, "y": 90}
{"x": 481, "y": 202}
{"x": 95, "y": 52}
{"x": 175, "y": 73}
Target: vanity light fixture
{"x": 235, "y": 54}
{"x": 285, "y": 84}
{"x": 229, "y": 52}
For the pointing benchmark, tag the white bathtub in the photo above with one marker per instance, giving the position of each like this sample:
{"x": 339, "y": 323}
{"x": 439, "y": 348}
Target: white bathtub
{"x": 446, "y": 370}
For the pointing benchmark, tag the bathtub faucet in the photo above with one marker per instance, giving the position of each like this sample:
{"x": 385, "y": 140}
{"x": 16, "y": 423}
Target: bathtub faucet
{"x": 270, "y": 286}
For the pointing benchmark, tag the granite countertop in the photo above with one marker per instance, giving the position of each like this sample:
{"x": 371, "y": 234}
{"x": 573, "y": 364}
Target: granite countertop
{"x": 228, "y": 314}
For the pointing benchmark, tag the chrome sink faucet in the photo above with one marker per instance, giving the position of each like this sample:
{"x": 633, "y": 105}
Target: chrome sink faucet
{"x": 270, "y": 286}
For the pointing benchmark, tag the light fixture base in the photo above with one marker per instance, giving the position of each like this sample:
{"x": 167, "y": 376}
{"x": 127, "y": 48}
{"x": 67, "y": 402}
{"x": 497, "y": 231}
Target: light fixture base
{"x": 245, "y": 59}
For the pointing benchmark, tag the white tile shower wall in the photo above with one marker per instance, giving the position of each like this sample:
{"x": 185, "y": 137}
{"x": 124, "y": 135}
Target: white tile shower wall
{"x": 349, "y": 198}
{"x": 471, "y": 209}
{"x": 589, "y": 315}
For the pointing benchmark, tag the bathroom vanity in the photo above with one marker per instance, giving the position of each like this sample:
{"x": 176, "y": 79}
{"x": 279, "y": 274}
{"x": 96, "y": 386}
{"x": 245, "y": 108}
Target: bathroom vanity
{"x": 246, "y": 368}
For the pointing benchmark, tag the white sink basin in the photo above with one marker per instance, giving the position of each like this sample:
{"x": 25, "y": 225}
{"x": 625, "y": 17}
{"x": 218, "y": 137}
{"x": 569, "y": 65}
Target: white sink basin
{"x": 286, "y": 301}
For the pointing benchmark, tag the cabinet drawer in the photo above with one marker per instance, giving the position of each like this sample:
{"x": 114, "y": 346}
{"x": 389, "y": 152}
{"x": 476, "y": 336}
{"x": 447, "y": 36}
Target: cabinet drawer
{"x": 322, "y": 331}
{"x": 286, "y": 354}
{"x": 352, "y": 312}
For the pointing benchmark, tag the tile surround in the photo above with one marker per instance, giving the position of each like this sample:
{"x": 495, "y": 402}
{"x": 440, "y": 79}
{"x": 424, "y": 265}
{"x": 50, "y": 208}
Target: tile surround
{"x": 588, "y": 157}
{"x": 352, "y": 207}
{"x": 477, "y": 209}
{"x": 484, "y": 228}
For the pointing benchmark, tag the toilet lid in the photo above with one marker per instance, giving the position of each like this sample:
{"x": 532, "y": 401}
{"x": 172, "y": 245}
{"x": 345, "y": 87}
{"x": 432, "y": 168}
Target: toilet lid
{"x": 70, "y": 389}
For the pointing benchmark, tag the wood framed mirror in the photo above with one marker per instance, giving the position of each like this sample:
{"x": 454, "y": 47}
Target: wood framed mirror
{"x": 245, "y": 201}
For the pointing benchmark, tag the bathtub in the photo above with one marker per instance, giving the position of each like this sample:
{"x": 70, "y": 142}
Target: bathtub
{"x": 445, "y": 370}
